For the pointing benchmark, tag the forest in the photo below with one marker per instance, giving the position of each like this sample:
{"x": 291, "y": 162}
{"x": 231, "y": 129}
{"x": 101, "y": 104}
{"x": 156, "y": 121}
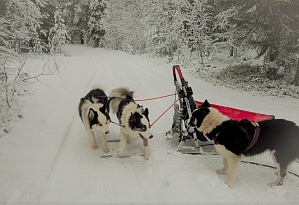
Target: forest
{"x": 172, "y": 29}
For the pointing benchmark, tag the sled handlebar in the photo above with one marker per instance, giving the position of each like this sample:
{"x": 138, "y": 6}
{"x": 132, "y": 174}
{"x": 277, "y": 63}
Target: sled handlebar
{"x": 177, "y": 69}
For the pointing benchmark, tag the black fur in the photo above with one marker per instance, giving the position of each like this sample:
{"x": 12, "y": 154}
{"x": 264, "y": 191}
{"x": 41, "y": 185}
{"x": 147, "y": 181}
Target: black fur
{"x": 135, "y": 122}
{"x": 121, "y": 107}
{"x": 232, "y": 135}
{"x": 275, "y": 134}
{"x": 135, "y": 118}
{"x": 279, "y": 135}
{"x": 200, "y": 115}
{"x": 94, "y": 119}
{"x": 96, "y": 96}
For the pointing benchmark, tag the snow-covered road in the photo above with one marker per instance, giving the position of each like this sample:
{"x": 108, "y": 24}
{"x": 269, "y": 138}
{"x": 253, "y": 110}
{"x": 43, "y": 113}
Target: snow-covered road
{"x": 47, "y": 157}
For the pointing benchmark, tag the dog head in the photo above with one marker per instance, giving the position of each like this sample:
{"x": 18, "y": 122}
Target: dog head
{"x": 98, "y": 121}
{"x": 206, "y": 118}
{"x": 198, "y": 115}
{"x": 139, "y": 122}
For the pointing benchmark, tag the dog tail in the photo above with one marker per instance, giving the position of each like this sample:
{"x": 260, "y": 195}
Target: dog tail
{"x": 98, "y": 86}
{"x": 119, "y": 94}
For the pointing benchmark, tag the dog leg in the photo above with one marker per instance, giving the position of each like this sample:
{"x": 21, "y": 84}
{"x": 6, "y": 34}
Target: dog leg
{"x": 128, "y": 139}
{"x": 281, "y": 170}
{"x": 104, "y": 144}
{"x": 146, "y": 153}
{"x": 122, "y": 144}
{"x": 225, "y": 167}
{"x": 233, "y": 164}
{"x": 92, "y": 137}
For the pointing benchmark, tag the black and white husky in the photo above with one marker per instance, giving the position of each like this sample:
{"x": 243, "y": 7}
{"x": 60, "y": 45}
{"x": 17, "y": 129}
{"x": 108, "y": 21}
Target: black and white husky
{"x": 233, "y": 139}
{"x": 133, "y": 119}
{"x": 94, "y": 113}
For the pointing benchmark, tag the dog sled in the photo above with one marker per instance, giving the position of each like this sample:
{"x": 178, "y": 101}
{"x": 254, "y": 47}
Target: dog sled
{"x": 191, "y": 141}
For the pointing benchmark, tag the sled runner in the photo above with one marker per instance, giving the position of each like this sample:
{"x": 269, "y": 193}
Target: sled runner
{"x": 189, "y": 140}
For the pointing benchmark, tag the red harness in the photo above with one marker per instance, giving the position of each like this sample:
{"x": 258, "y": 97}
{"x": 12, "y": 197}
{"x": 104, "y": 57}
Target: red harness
{"x": 255, "y": 136}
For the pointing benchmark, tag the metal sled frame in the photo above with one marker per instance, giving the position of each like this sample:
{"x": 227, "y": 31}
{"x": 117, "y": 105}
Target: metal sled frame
{"x": 194, "y": 142}
{"x": 187, "y": 142}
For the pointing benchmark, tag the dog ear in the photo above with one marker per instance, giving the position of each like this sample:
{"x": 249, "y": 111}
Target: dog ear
{"x": 205, "y": 111}
{"x": 91, "y": 114}
{"x": 145, "y": 112}
{"x": 206, "y": 104}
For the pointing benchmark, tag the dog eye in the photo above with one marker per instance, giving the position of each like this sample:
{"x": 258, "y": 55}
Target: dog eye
{"x": 100, "y": 124}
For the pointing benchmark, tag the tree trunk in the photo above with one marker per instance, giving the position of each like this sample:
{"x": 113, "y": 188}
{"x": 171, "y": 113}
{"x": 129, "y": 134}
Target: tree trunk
{"x": 296, "y": 79}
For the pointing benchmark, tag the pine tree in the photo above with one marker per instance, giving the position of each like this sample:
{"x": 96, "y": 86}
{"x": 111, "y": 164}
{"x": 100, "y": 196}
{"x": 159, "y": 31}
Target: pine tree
{"x": 95, "y": 30}
{"x": 58, "y": 35}
{"x": 271, "y": 27}
{"x": 200, "y": 25}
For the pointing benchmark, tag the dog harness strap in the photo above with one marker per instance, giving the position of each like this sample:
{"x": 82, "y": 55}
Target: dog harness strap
{"x": 216, "y": 136}
{"x": 108, "y": 103}
{"x": 255, "y": 136}
{"x": 117, "y": 123}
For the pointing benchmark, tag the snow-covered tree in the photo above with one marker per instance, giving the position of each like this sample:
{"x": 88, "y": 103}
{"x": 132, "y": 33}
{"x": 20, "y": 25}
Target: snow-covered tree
{"x": 271, "y": 27}
{"x": 198, "y": 27}
{"x": 222, "y": 25}
{"x": 19, "y": 32}
{"x": 95, "y": 28}
{"x": 164, "y": 26}
{"x": 123, "y": 25}
{"x": 5, "y": 38}
{"x": 24, "y": 16}
{"x": 58, "y": 35}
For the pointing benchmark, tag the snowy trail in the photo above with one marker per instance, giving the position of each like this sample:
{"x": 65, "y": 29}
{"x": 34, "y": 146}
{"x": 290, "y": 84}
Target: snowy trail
{"x": 47, "y": 158}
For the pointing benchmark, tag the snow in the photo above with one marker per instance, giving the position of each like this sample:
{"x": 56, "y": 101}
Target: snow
{"x": 47, "y": 157}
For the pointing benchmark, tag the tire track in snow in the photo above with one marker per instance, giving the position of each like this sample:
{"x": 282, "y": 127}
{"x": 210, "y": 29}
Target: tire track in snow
{"x": 62, "y": 144}
{"x": 88, "y": 167}
{"x": 79, "y": 175}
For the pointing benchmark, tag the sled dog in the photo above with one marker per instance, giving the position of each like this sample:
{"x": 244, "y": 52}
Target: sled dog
{"x": 133, "y": 119}
{"x": 94, "y": 113}
{"x": 233, "y": 139}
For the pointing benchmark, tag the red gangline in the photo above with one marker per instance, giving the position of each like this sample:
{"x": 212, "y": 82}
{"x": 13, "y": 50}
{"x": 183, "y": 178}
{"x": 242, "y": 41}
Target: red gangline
{"x": 164, "y": 96}
{"x": 164, "y": 113}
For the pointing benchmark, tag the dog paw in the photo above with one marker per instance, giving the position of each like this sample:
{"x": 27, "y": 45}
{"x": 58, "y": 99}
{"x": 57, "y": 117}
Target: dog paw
{"x": 94, "y": 146}
{"x": 106, "y": 149}
{"x": 230, "y": 184}
{"x": 221, "y": 171}
{"x": 275, "y": 184}
{"x": 119, "y": 154}
{"x": 146, "y": 157}
{"x": 272, "y": 184}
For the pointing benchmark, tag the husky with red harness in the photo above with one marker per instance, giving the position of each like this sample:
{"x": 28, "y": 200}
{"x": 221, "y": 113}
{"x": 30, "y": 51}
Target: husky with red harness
{"x": 234, "y": 138}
